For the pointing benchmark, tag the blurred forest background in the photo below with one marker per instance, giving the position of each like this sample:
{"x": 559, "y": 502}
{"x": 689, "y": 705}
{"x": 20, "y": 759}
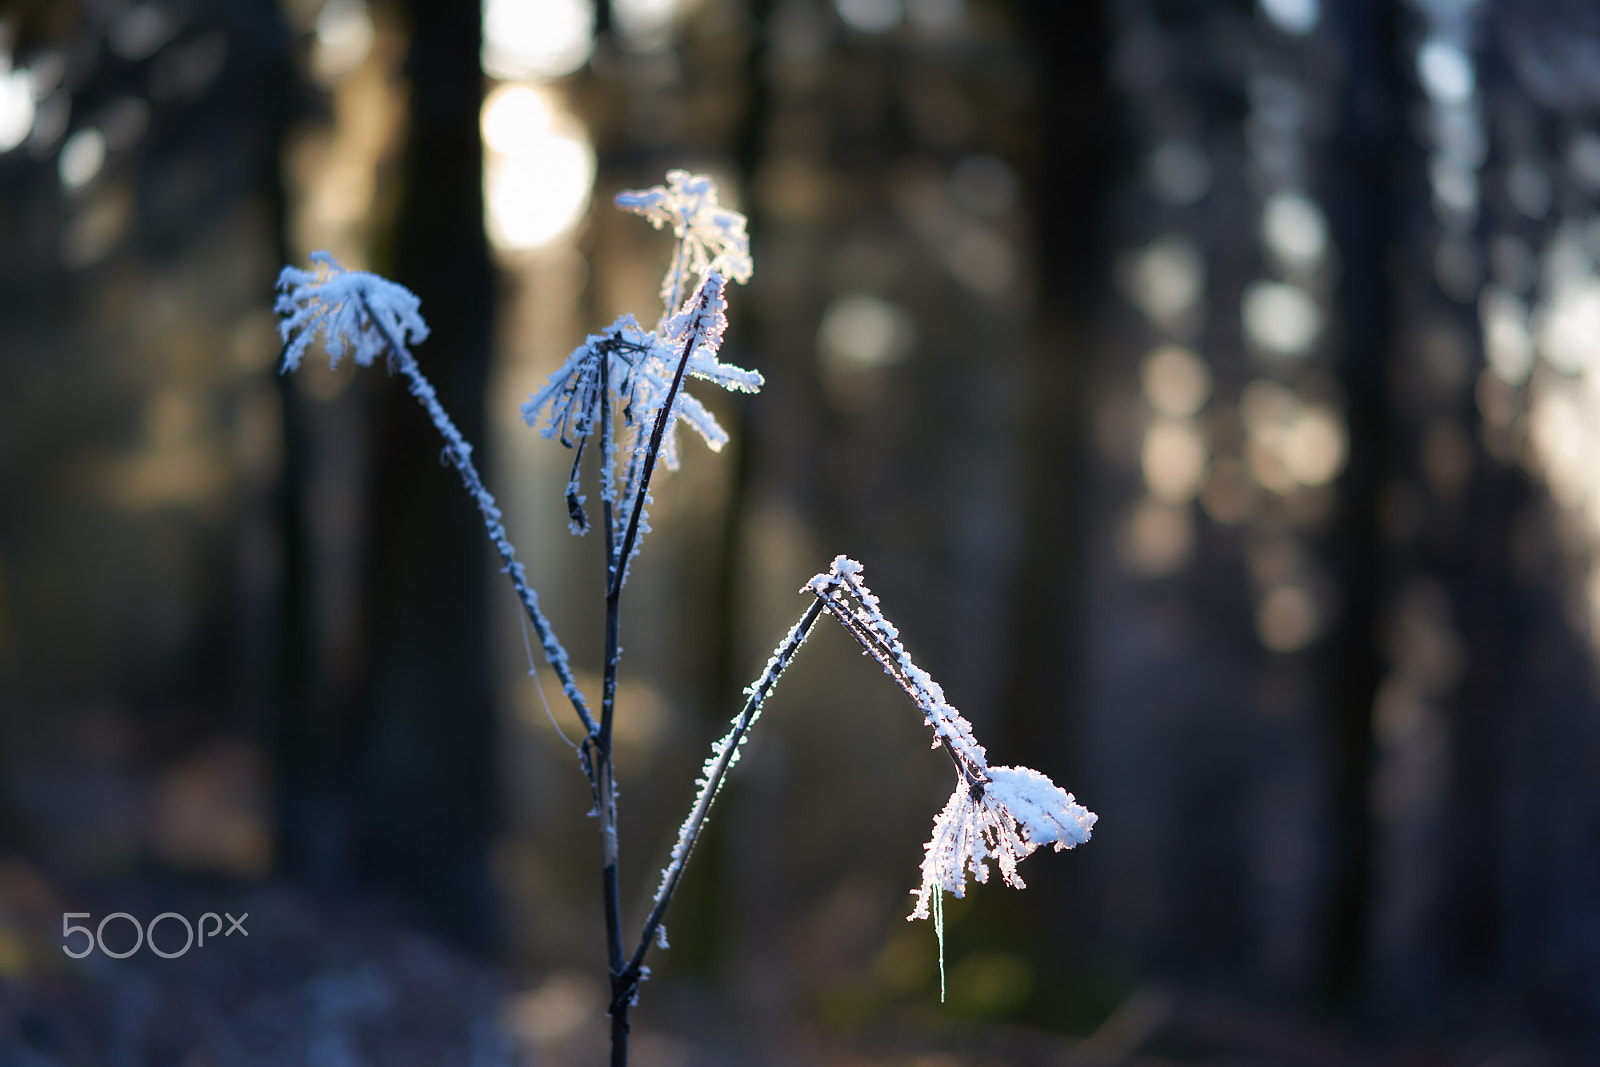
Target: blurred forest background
{"x": 1211, "y": 391}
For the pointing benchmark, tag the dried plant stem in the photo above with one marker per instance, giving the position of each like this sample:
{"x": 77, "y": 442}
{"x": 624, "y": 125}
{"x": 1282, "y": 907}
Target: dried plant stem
{"x": 725, "y": 754}
{"x": 460, "y": 454}
{"x": 624, "y": 980}
{"x": 651, "y": 453}
{"x": 839, "y": 606}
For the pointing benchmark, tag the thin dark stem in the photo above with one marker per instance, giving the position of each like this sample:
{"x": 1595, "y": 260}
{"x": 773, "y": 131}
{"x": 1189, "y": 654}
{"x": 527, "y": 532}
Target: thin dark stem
{"x": 607, "y": 469}
{"x": 619, "y": 1031}
{"x": 726, "y": 753}
{"x": 625, "y": 981}
{"x": 461, "y": 456}
{"x": 607, "y": 794}
{"x": 651, "y": 452}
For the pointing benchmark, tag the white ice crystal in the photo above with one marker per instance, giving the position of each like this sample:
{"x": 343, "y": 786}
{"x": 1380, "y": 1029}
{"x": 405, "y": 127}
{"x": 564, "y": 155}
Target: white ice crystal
{"x": 710, "y": 237}
{"x": 995, "y": 813}
{"x": 342, "y": 306}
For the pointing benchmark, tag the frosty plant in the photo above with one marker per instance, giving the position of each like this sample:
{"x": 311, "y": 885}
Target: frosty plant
{"x": 622, "y": 393}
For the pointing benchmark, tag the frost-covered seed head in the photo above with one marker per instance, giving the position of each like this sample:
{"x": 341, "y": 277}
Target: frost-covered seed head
{"x": 713, "y": 236}
{"x": 341, "y": 305}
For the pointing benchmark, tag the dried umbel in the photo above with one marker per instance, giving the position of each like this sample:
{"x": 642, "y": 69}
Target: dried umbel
{"x": 351, "y": 310}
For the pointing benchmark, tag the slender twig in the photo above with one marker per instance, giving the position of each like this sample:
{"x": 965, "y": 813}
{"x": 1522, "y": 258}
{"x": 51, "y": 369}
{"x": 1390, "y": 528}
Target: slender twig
{"x": 653, "y": 450}
{"x": 624, "y": 981}
{"x": 840, "y": 608}
{"x": 460, "y": 453}
{"x": 725, "y": 752}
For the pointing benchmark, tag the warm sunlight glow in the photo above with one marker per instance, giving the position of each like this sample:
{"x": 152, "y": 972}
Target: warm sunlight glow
{"x": 538, "y": 169}
{"x": 16, "y": 104}
{"x": 536, "y": 38}
{"x": 1174, "y": 460}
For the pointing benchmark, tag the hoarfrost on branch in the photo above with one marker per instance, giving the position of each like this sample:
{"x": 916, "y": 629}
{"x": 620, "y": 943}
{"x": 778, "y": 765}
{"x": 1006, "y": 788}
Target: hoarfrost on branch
{"x": 710, "y": 237}
{"x": 996, "y": 813}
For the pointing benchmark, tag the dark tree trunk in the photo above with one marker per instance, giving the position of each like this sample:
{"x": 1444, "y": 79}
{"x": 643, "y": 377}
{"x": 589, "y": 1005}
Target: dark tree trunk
{"x": 428, "y": 801}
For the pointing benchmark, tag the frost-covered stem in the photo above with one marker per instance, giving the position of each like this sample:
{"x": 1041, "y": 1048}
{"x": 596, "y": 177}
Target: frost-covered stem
{"x": 726, "y": 752}
{"x": 461, "y": 456}
{"x": 652, "y": 451}
{"x": 975, "y": 777}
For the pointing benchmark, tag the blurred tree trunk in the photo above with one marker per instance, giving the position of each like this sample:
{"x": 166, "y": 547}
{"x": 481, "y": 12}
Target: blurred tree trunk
{"x": 1364, "y": 214}
{"x": 427, "y": 804}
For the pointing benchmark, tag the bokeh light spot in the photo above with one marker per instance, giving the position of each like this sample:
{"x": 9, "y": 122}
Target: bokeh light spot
{"x": 139, "y": 30}
{"x": 1286, "y": 618}
{"x": 536, "y": 38}
{"x": 1266, "y": 405}
{"x": 1176, "y": 381}
{"x": 1455, "y": 186}
{"x": 1506, "y": 343}
{"x": 82, "y": 157}
{"x": 538, "y": 169}
{"x": 644, "y": 22}
{"x": 1294, "y": 230}
{"x": 1158, "y": 538}
{"x": 16, "y": 104}
{"x": 1294, "y": 17}
{"x": 1315, "y": 446}
{"x": 1279, "y": 317}
{"x": 1445, "y": 72}
{"x": 865, "y": 331}
{"x": 1569, "y": 328}
{"x": 1165, "y": 280}
{"x": 1173, "y": 460}
{"x": 344, "y": 37}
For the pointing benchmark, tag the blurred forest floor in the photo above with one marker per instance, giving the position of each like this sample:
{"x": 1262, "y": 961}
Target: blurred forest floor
{"x": 347, "y": 978}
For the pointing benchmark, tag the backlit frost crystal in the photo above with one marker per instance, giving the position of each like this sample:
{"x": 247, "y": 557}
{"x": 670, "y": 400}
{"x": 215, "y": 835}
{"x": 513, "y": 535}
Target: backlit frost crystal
{"x": 353, "y": 311}
{"x": 710, "y": 236}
